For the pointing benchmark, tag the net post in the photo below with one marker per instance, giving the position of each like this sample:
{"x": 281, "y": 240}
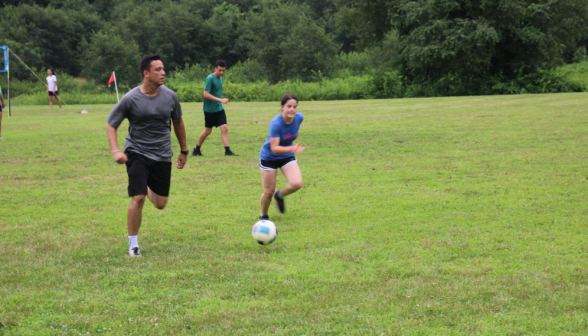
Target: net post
{"x": 8, "y": 80}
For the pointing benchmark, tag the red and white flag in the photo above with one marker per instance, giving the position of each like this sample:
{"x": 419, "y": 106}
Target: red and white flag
{"x": 111, "y": 79}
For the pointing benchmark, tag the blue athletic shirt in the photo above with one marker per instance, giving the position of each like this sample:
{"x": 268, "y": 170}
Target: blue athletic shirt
{"x": 287, "y": 134}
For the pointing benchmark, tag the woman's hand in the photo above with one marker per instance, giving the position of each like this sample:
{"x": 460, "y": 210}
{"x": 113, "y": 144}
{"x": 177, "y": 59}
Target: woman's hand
{"x": 298, "y": 148}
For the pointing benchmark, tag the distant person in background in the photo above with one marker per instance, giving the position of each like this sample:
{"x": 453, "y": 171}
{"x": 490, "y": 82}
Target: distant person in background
{"x": 214, "y": 113}
{"x": 1, "y": 107}
{"x": 52, "y": 89}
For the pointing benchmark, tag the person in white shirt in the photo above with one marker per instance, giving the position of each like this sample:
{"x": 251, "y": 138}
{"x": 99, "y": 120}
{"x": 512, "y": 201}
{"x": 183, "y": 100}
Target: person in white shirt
{"x": 52, "y": 89}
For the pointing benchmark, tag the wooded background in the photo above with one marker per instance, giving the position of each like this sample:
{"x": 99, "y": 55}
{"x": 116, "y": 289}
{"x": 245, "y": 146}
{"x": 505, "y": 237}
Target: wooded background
{"x": 402, "y": 47}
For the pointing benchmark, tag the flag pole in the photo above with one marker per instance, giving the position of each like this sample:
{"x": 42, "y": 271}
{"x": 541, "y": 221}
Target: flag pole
{"x": 116, "y": 87}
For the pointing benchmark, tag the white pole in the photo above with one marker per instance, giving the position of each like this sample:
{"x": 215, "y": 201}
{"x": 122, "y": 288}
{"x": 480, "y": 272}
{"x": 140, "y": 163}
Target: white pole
{"x": 8, "y": 80}
{"x": 115, "y": 86}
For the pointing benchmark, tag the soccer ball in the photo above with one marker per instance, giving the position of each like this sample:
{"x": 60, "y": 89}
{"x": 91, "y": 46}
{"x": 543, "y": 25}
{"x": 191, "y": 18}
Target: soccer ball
{"x": 264, "y": 232}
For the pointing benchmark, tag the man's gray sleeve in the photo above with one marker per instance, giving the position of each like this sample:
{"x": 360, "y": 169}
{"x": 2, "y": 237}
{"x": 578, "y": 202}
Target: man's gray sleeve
{"x": 177, "y": 112}
{"x": 118, "y": 114}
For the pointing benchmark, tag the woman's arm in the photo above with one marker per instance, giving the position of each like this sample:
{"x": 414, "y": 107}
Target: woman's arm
{"x": 277, "y": 149}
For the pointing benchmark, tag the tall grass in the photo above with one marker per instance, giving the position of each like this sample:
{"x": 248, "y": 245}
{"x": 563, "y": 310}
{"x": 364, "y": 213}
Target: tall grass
{"x": 69, "y": 98}
{"x": 354, "y": 87}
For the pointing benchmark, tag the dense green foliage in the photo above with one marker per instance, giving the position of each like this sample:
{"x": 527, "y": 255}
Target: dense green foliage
{"x": 403, "y": 48}
{"x": 189, "y": 85}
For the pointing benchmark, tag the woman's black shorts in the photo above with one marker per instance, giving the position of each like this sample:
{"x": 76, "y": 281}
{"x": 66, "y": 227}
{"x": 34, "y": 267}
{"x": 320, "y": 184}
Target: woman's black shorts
{"x": 56, "y": 93}
{"x": 275, "y": 164}
{"x": 215, "y": 119}
{"x": 144, "y": 172}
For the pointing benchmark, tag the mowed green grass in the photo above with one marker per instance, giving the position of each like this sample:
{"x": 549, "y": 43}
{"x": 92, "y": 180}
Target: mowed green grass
{"x": 445, "y": 216}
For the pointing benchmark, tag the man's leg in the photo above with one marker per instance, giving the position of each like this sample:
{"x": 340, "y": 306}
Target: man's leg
{"x": 204, "y": 135}
{"x": 138, "y": 172}
{"x": 225, "y": 136}
{"x": 134, "y": 217}
{"x": 201, "y": 138}
{"x": 158, "y": 201}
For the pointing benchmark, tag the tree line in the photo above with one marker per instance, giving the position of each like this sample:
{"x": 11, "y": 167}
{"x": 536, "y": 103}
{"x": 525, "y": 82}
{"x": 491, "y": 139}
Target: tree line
{"x": 407, "y": 47}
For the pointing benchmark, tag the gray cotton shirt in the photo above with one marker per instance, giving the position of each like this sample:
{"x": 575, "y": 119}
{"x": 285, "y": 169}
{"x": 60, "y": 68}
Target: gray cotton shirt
{"x": 149, "y": 122}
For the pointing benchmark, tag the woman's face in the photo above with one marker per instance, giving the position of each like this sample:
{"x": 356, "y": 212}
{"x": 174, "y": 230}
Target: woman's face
{"x": 49, "y": 72}
{"x": 289, "y": 109}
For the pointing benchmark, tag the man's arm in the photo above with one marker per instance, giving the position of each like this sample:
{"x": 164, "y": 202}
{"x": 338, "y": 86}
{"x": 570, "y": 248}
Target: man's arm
{"x": 208, "y": 96}
{"x": 117, "y": 155}
{"x": 180, "y": 132}
{"x": 2, "y": 101}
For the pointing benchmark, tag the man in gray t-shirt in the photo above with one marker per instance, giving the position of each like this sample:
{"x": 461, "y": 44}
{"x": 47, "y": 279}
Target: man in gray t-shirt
{"x": 151, "y": 110}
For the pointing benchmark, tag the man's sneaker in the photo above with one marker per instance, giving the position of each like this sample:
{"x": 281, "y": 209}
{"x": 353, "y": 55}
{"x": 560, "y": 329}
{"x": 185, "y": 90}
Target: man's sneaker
{"x": 263, "y": 217}
{"x": 2, "y": 139}
{"x": 196, "y": 152}
{"x": 229, "y": 153}
{"x": 279, "y": 202}
{"x": 134, "y": 252}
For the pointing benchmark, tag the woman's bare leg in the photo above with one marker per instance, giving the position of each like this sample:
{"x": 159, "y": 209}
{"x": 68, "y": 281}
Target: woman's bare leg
{"x": 293, "y": 176}
{"x": 268, "y": 178}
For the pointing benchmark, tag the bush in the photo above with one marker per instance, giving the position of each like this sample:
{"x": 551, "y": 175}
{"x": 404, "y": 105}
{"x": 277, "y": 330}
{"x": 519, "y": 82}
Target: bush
{"x": 542, "y": 81}
{"x": 354, "y": 87}
{"x": 576, "y": 73}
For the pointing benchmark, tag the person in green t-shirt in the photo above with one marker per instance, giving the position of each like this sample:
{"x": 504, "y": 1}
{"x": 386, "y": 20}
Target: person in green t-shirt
{"x": 214, "y": 113}
{"x": 1, "y": 107}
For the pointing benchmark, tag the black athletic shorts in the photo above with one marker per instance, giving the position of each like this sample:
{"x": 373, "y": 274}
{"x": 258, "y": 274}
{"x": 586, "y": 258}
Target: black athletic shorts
{"x": 275, "y": 164}
{"x": 215, "y": 119}
{"x": 145, "y": 172}
{"x": 54, "y": 94}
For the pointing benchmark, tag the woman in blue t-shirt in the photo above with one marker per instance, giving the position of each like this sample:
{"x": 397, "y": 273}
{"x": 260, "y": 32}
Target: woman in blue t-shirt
{"x": 279, "y": 151}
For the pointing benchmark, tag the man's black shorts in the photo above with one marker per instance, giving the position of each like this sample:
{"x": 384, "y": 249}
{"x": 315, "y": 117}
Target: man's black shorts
{"x": 215, "y": 119}
{"x": 275, "y": 164}
{"x": 145, "y": 172}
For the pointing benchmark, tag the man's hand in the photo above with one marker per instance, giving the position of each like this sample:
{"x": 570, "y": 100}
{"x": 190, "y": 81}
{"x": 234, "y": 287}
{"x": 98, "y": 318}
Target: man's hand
{"x": 120, "y": 157}
{"x": 182, "y": 159}
{"x": 298, "y": 148}
{"x": 225, "y": 100}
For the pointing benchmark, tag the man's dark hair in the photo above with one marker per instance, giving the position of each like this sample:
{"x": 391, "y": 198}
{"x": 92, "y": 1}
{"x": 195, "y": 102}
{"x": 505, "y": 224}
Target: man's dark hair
{"x": 220, "y": 63}
{"x": 146, "y": 62}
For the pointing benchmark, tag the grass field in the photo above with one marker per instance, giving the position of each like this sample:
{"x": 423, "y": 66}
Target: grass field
{"x": 445, "y": 216}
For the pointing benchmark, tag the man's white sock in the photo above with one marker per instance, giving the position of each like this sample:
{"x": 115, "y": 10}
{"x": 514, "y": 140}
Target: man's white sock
{"x": 133, "y": 242}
